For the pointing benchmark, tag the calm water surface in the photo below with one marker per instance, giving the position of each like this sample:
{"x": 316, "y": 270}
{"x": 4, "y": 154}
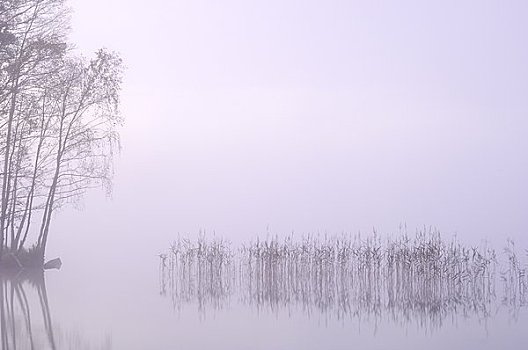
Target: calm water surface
{"x": 132, "y": 304}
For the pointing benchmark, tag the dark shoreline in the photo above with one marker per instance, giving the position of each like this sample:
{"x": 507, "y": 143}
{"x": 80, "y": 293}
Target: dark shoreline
{"x": 31, "y": 259}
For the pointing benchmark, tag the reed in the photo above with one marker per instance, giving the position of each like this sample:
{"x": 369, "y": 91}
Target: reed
{"x": 423, "y": 279}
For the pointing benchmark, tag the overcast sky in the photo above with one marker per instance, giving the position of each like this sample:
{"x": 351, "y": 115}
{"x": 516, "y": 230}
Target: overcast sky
{"x": 313, "y": 116}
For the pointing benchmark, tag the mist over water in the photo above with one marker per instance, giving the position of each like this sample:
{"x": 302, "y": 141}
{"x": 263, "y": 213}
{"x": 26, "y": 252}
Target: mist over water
{"x": 308, "y": 292}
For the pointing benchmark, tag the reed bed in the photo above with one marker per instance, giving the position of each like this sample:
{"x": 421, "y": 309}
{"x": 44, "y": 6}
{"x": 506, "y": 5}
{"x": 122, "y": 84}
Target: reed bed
{"x": 200, "y": 271}
{"x": 423, "y": 279}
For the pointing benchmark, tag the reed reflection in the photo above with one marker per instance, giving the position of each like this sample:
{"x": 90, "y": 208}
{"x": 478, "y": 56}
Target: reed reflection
{"x": 423, "y": 280}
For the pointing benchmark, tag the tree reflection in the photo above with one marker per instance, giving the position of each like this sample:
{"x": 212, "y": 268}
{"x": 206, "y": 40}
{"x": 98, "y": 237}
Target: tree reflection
{"x": 26, "y": 320}
{"x": 15, "y": 303}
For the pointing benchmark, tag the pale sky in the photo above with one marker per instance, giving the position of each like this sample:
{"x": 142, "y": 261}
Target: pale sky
{"x": 312, "y": 116}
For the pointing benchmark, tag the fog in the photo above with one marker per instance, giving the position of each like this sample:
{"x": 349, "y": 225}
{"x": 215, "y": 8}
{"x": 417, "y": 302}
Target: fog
{"x": 245, "y": 119}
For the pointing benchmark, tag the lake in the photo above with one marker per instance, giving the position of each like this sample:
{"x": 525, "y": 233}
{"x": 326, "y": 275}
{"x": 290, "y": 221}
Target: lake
{"x": 224, "y": 297}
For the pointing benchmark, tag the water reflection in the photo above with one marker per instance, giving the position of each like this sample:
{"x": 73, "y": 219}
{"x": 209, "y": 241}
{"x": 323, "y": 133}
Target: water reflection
{"x": 15, "y": 304}
{"x": 26, "y": 320}
{"x": 423, "y": 281}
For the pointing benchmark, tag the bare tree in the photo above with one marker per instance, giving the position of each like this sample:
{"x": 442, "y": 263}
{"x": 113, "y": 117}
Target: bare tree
{"x": 85, "y": 131}
{"x": 58, "y": 120}
{"x": 33, "y": 42}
